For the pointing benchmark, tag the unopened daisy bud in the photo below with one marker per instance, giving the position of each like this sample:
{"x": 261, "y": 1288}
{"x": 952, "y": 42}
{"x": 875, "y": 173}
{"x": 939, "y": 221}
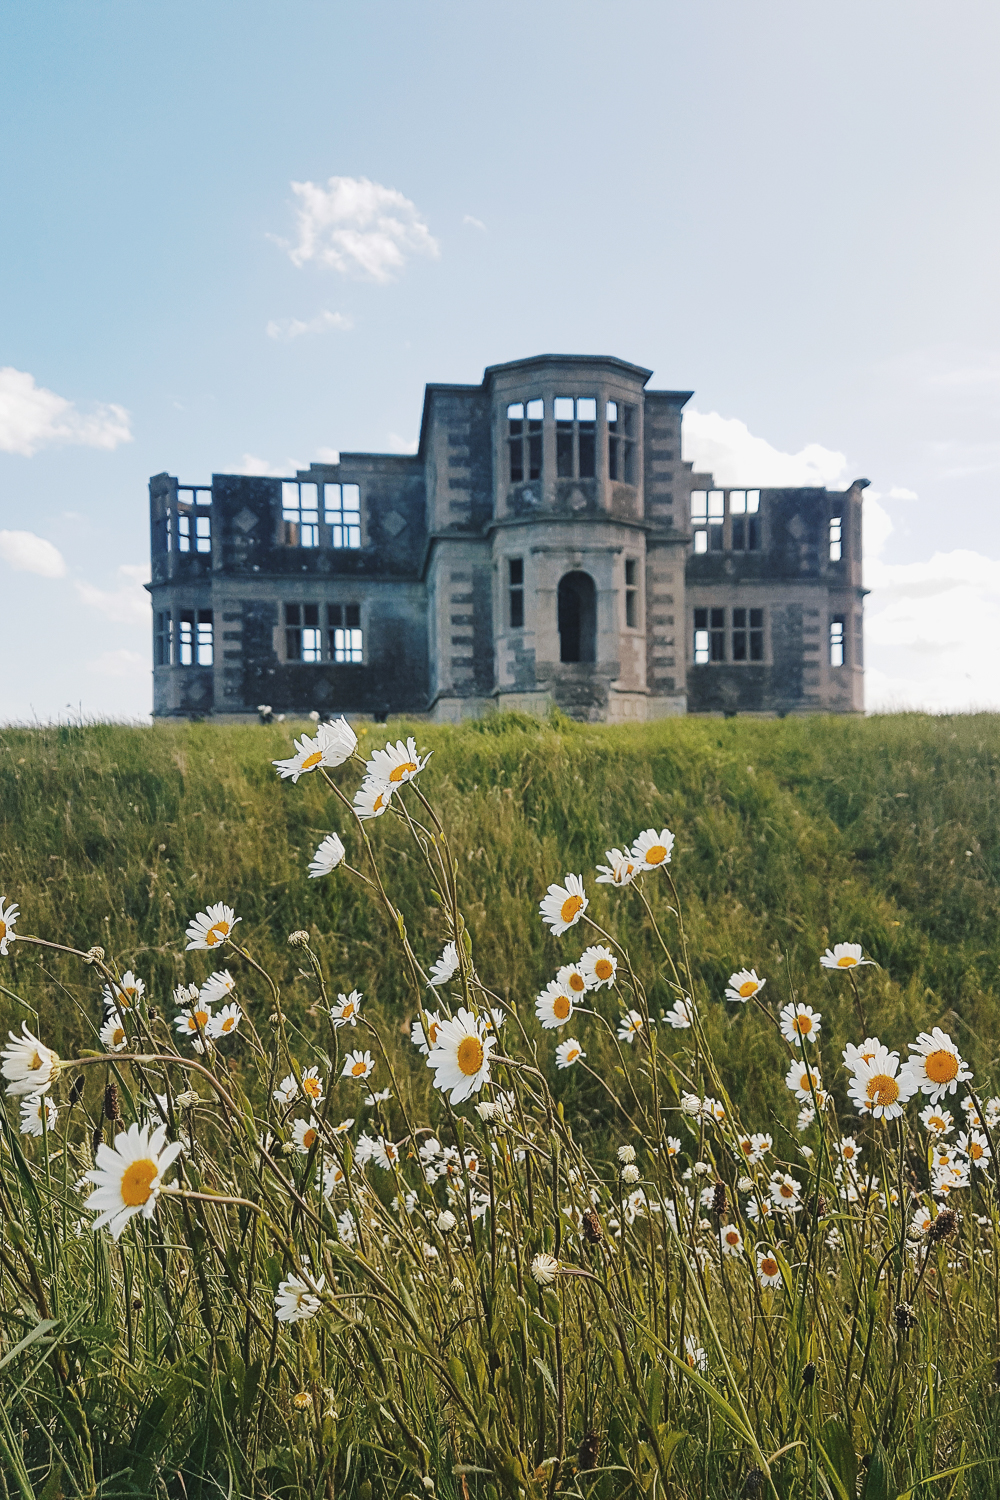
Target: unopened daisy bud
{"x": 456, "y": 1286}
{"x": 745, "y": 1185}
{"x": 427, "y": 1483}
{"x": 288, "y": 1148}
{"x": 446, "y": 1221}
{"x": 188, "y": 1099}
{"x": 701, "y": 1169}
{"x": 544, "y": 1269}
{"x": 298, "y": 939}
{"x": 112, "y": 1109}
{"x": 94, "y": 955}
{"x": 626, "y": 1154}
{"x": 691, "y": 1105}
{"x": 76, "y": 1092}
{"x": 630, "y": 1173}
{"x": 301, "y": 1400}
{"x": 274, "y": 1018}
{"x": 487, "y": 1111}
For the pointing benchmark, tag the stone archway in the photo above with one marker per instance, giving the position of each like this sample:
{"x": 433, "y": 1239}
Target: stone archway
{"x": 577, "y": 608}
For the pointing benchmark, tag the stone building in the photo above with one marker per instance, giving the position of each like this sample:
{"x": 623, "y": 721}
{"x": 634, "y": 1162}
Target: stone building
{"x": 545, "y": 544}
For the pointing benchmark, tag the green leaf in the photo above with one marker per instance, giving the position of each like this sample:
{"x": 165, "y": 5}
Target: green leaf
{"x": 837, "y": 1451}
{"x": 877, "y": 1481}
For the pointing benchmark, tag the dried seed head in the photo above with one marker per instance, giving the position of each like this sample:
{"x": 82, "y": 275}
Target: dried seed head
{"x": 112, "y": 1109}
{"x": 152, "y": 1012}
{"x": 906, "y": 1318}
{"x": 590, "y": 1451}
{"x": 822, "y": 1207}
{"x": 94, "y": 955}
{"x": 630, "y": 1174}
{"x": 719, "y": 1199}
{"x": 753, "y": 1483}
{"x": 298, "y": 939}
{"x": 944, "y": 1225}
{"x": 592, "y": 1231}
{"x": 809, "y": 1374}
{"x": 98, "y": 1136}
{"x": 76, "y": 1092}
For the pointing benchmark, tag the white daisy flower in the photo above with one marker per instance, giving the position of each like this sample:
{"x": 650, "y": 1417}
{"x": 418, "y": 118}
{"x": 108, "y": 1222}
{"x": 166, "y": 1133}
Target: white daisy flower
{"x": 731, "y": 1240}
{"x": 193, "y": 1020}
{"x": 673, "y": 1145}
{"x": 554, "y": 1006}
{"x": 920, "y": 1223}
{"x": 422, "y": 1042}
{"x": 445, "y": 967}
{"x": 652, "y": 849}
{"x": 568, "y": 1053}
{"x": 372, "y": 798}
{"x": 756, "y": 1146}
{"x": 8, "y": 916}
{"x": 844, "y": 956}
{"x": 386, "y": 1154}
{"x": 28, "y": 1064}
{"x": 312, "y": 1085}
{"x": 744, "y": 984}
{"x": 333, "y": 744}
{"x": 756, "y": 1210}
{"x": 287, "y": 1090}
{"x": 563, "y": 906}
{"x": 305, "y": 1134}
{"x": 113, "y": 1035}
{"x": 949, "y": 1179}
{"x": 598, "y": 966}
{"x": 128, "y": 1175}
{"x": 346, "y": 1231}
{"x": 935, "y": 1064}
{"x": 864, "y": 1054}
{"x": 461, "y": 1056}
{"x": 971, "y": 1113}
{"x": 370, "y": 1100}
{"x": 850, "y": 1151}
{"x": 217, "y": 986}
{"x": 125, "y": 995}
{"x": 691, "y": 1105}
{"x": 937, "y": 1121}
{"x": 768, "y": 1270}
{"x": 680, "y": 1015}
{"x": 346, "y": 1010}
{"x": 880, "y": 1087}
{"x": 358, "y": 1065}
{"x": 621, "y": 869}
{"x": 211, "y": 928}
{"x": 334, "y": 1177}
{"x": 544, "y": 1269}
{"x": 396, "y": 763}
{"x": 629, "y": 1026}
{"x": 695, "y": 1355}
{"x": 785, "y": 1191}
{"x": 799, "y": 1021}
{"x": 975, "y": 1146}
{"x": 327, "y": 857}
{"x": 570, "y": 978}
{"x": 34, "y": 1109}
{"x": 338, "y": 740}
{"x": 803, "y": 1079}
{"x": 992, "y": 1110}
{"x": 224, "y": 1022}
{"x": 296, "y": 1300}
{"x": 364, "y": 1150}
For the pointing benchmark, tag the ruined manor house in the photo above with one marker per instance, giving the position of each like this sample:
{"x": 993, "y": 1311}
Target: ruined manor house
{"x": 546, "y": 544}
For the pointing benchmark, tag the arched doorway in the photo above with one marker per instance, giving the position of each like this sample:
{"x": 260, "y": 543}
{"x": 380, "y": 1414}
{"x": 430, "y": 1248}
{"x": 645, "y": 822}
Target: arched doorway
{"x": 577, "y": 618}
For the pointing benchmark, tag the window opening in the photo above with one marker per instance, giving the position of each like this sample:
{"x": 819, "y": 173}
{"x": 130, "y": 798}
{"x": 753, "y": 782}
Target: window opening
{"x": 204, "y": 645}
{"x": 203, "y": 533}
{"x": 183, "y": 531}
{"x": 161, "y": 640}
{"x": 631, "y": 594}
{"x": 185, "y": 637}
{"x": 346, "y": 643}
{"x": 524, "y": 439}
{"x": 300, "y": 513}
{"x": 699, "y": 520}
{"x": 194, "y": 638}
{"x": 748, "y": 635}
{"x": 709, "y": 635}
{"x": 836, "y": 540}
{"x": 621, "y": 442}
{"x": 837, "y": 641}
{"x": 716, "y": 519}
{"x": 576, "y": 436}
{"x": 515, "y": 583}
{"x": 342, "y": 513}
{"x": 577, "y": 618}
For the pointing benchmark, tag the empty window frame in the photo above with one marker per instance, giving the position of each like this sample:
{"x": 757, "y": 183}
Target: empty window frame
{"x": 342, "y": 513}
{"x": 345, "y": 640}
{"x": 837, "y": 658}
{"x": 195, "y": 645}
{"x": 748, "y": 635}
{"x": 708, "y": 517}
{"x": 621, "y": 442}
{"x": 836, "y": 538}
{"x": 709, "y": 636}
{"x": 631, "y": 593}
{"x": 744, "y": 520}
{"x": 162, "y": 638}
{"x": 576, "y": 436}
{"x": 303, "y": 639}
{"x": 515, "y": 591}
{"x": 192, "y": 522}
{"x": 524, "y": 439}
{"x": 299, "y": 513}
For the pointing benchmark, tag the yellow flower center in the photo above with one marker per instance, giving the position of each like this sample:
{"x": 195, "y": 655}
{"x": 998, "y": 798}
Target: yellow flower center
{"x": 117, "y": 1037}
{"x": 561, "y": 1007}
{"x": 398, "y": 772}
{"x": 803, "y": 1025}
{"x": 848, "y": 1153}
{"x": 432, "y": 1033}
{"x": 746, "y": 1146}
{"x": 846, "y": 961}
{"x": 732, "y": 1238}
{"x": 229, "y": 1023}
{"x": 624, "y": 872}
{"x": 35, "y": 1063}
{"x": 748, "y": 988}
{"x": 572, "y": 1054}
{"x": 347, "y": 1011}
{"x": 379, "y": 802}
{"x": 357, "y": 1070}
{"x": 936, "y": 1122}
{"x": 804, "y": 1083}
{"x": 570, "y": 907}
{"x": 301, "y": 1400}
{"x": 217, "y": 933}
{"x": 655, "y": 854}
{"x": 3, "y": 931}
{"x": 976, "y": 1151}
{"x": 470, "y": 1055}
{"x": 309, "y": 1138}
{"x": 137, "y": 1182}
{"x": 604, "y": 968}
{"x": 941, "y": 1066}
{"x": 882, "y": 1089}
{"x": 312, "y": 760}
{"x": 769, "y": 1266}
{"x": 787, "y": 1191}
{"x": 576, "y": 982}
{"x": 311, "y": 1086}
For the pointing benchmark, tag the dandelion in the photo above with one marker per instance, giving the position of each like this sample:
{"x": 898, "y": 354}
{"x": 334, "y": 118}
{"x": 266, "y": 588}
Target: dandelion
{"x": 798, "y": 1022}
{"x": 554, "y": 1006}
{"x": 802, "y": 1079}
{"x": 8, "y": 916}
{"x": 935, "y": 1065}
{"x": 327, "y": 857}
{"x": 346, "y": 1010}
{"x": 359, "y": 1065}
{"x": 287, "y": 1090}
{"x": 191, "y": 1021}
{"x": 224, "y": 1022}
{"x": 125, "y": 995}
{"x": 28, "y": 1064}
{"x": 695, "y": 1355}
{"x": 652, "y": 849}
{"x": 976, "y": 1147}
{"x": 372, "y": 798}
{"x": 296, "y": 1300}
{"x": 396, "y": 763}
{"x": 424, "y": 1042}
{"x": 768, "y": 1270}
{"x": 568, "y": 1053}
{"x": 563, "y": 906}
{"x": 629, "y": 1026}
{"x": 113, "y": 1035}
{"x": 937, "y": 1121}
{"x": 598, "y": 966}
{"x": 217, "y": 987}
{"x": 305, "y": 1134}
{"x": 680, "y": 1015}
{"x": 128, "y": 1175}
{"x": 445, "y": 967}
{"x": 211, "y": 928}
{"x": 844, "y": 956}
{"x": 38, "y": 1112}
{"x": 879, "y": 1087}
{"x": 544, "y": 1269}
{"x": 731, "y": 1240}
{"x": 743, "y": 985}
{"x": 621, "y": 869}
{"x": 461, "y": 1056}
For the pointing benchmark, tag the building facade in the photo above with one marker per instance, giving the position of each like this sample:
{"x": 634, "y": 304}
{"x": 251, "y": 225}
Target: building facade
{"x": 545, "y": 544}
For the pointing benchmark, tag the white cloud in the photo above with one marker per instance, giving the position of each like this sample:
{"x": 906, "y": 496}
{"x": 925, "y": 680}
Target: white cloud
{"x": 32, "y": 417}
{"x": 251, "y": 464}
{"x": 128, "y": 604}
{"x": 898, "y": 492}
{"x": 29, "y": 553}
{"x": 286, "y": 329}
{"x": 397, "y": 444}
{"x": 328, "y": 455}
{"x": 357, "y": 226}
{"x": 726, "y": 448}
{"x": 474, "y": 223}
{"x": 120, "y": 663}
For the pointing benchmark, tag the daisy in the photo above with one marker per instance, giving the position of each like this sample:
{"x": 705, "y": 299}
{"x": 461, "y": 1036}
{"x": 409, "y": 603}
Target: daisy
{"x": 386, "y": 1154}
{"x": 598, "y": 966}
{"x": 331, "y": 747}
{"x": 630, "y": 1025}
{"x": 621, "y": 869}
{"x": 570, "y": 978}
{"x": 128, "y": 1175}
{"x": 123, "y": 996}
{"x": 327, "y": 857}
{"x": 218, "y": 985}
{"x": 992, "y": 1108}
{"x": 338, "y": 740}
{"x": 803, "y": 1079}
{"x": 346, "y": 1232}
{"x": 296, "y": 1299}
{"x": 568, "y": 1053}
{"x": 29, "y": 1065}
{"x": 445, "y": 967}
{"x": 652, "y": 849}
{"x": 563, "y": 906}
{"x": 868, "y": 1049}
{"x": 32, "y": 1117}
{"x": 935, "y": 1065}
{"x": 673, "y": 1145}
{"x": 755, "y": 1147}
{"x": 843, "y": 956}
{"x": 937, "y": 1121}
{"x": 544, "y": 1269}
{"x": 921, "y": 1222}
{"x": 224, "y": 1022}
{"x": 850, "y": 1151}
{"x": 8, "y": 916}
{"x": 305, "y": 1134}
{"x": 804, "y": 1119}
{"x": 768, "y": 1270}
{"x": 731, "y": 1240}
{"x": 880, "y": 1086}
{"x": 799, "y": 1021}
{"x": 975, "y": 1146}
{"x": 312, "y": 1084}
{"x": 346, "y": 1010}
{"x": 212, "y": 927}
{"x": 112, "y": 1034}
{"x": 380, "y": 1098}
{"x": 334, "y": 1177}
{"x": 971, "y": 1114}
{"x": 396, "y": 763}
{"x": 287, "y": 1090}
{"x": 785, "y": 1191}
{"x": 190, "y": 1022}
{"x": 759, "y": 1209}
{"x": 424, "y": 1042}
{"x": 461, "y": 1055}
{"x": 553, "y": 1006}
{"x": 372, "y": 798}
{"x": 680, "y": 1015}
{"x": 744, "y": 984}
{"x": 695, "y": 1355}
{"x": 945, "y": 1180}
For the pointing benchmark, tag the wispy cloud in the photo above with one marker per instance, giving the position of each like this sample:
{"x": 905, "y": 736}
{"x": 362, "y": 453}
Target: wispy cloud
{"x": 29, "y": 553}
{"x": 32, "y": 417}
{"x": 358, "y": 227}
{"x": 251, "y": 464}
{"x": 726, "y": 448}
{"x": 128, "y": 604}
{"x": 474, "y": 223}
{"x": 120, "y": 663}
{"x": 286, "y": 329}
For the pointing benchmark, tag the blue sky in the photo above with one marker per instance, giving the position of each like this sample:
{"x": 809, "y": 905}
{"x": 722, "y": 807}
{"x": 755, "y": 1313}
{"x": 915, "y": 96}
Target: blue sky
{"x": 791, "y": 210}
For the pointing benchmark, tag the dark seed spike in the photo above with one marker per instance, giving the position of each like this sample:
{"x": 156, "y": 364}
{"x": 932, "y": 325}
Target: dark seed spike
{"x": 593, "y": 1233}
{"x": 112, "y": 1108}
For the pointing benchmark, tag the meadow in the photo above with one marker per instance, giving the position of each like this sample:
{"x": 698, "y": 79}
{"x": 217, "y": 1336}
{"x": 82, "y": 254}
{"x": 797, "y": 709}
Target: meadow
{"x": 517, "y": 1349}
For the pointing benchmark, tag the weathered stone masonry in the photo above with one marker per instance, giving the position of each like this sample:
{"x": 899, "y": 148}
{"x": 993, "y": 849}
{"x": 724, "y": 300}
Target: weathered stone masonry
{"x": 545, "y": 544}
